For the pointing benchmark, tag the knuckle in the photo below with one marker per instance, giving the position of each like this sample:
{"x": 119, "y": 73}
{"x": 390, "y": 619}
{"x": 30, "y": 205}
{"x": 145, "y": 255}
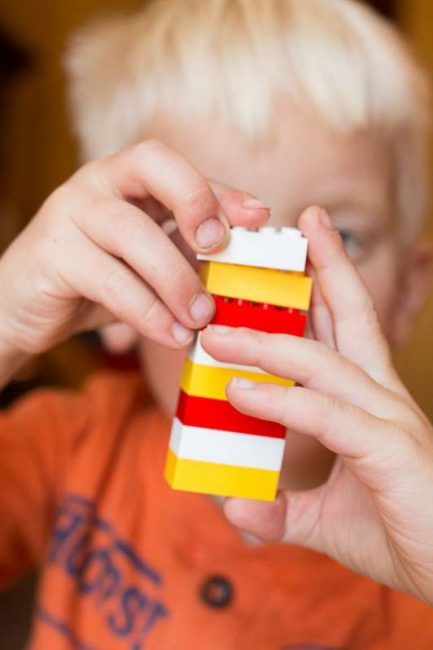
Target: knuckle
{"x": 150, "y": 316}
{"x": 260, "y": 350}
{"x": 285, "y": 415}
{"x": 412, "y": 428}
{"x": 313, "y": 360}
{"x": 184, "y": 286}
{"x": 89, "y": 175}
{"x": 97, "y": 207}
{"x": 124, "y": 222}
{"x": 327, "y": 411}
{"x": 116, "y": 284}
{"x": 403, "y": 443}
{"x": 57, "y": 204}
{"x": 197, "y": 198}
{"x": 128, "y": 224}
{"x": 146, "y": 148}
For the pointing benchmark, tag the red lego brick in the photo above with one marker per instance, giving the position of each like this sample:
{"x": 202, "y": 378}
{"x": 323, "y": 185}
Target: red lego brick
{"x": 258, "y": 316}
{"x": 218, "y": 414}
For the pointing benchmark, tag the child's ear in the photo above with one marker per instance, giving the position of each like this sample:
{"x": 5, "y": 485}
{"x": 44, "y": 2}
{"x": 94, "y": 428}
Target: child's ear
{"x": 416, "y": 280}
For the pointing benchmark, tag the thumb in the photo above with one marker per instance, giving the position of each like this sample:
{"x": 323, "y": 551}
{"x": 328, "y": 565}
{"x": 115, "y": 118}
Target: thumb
{"x": 259, "y": 518}
{"x": 293, "y": 518}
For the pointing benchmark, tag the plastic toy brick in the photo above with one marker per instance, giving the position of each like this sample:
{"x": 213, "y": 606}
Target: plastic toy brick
{"x": 258, "y": 281}
{"x": 226, "y": 447}
{"x": 258, "y": 316}
{"x": 273, "y": 287}
{"x": 219, "y": 414}
{"x": 225, "y": 480}
{"x": 211, "y": 382}
{"x": 284, "y": 249}
{"x": 197, "y": 354}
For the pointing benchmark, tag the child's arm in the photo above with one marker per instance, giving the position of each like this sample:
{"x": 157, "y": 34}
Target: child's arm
{"x": 95, "y": 253}
{"x": 375, "y": 513}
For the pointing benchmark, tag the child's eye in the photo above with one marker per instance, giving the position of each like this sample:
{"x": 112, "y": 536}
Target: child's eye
{"x": 352, "y": 244}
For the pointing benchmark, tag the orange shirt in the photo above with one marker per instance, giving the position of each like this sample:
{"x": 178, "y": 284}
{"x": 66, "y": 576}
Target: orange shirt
{"x": 128, "y": 564}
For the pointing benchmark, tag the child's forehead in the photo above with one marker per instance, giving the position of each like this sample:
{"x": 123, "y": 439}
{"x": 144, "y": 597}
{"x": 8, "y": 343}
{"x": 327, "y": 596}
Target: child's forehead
{"x": 302, "y": 162}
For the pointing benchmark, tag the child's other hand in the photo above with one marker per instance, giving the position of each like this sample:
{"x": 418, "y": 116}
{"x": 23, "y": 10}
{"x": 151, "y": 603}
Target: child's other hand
{"x": 375, "y": 513}
{"x": 96, "y": 254}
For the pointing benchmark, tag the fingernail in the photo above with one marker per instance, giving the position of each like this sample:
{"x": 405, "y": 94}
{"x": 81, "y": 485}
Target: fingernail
{"x": 201, "y": 308}
{"x": 243, "y": 384}
{"x": 254, "y": 204}
{"x": 211, "y": 232}
{"x": 325, "y": 219}
{"x": 181, "y": 334}
{"x": 221, "y": 329}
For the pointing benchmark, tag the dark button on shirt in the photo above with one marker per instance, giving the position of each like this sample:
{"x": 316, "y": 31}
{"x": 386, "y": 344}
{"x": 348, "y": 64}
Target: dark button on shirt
{"x": 216, "y": 591}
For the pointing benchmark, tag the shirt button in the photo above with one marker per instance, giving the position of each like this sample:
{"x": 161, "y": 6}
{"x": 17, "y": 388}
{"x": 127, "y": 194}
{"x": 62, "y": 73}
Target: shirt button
{"x": 217, "y": 591}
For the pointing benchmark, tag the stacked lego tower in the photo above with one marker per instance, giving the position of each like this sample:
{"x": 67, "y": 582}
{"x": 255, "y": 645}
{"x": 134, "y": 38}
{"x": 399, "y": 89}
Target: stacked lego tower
{"x": 258, "y": 282}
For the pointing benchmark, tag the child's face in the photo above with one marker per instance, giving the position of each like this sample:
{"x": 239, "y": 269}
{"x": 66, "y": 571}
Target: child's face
{"x": 350, "y": 175}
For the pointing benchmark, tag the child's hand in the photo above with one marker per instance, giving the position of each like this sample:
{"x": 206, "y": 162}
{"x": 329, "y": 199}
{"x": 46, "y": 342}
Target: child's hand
{"x": 375, "y": 512}
{"x": 95, "y": 253}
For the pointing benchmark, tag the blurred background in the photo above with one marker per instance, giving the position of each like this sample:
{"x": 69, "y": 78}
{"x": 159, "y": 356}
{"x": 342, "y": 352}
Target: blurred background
{"x": 37, "y": 152}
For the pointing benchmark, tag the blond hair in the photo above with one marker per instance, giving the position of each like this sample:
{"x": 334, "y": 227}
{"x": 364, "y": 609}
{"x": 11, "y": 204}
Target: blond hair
{"x": 236, "y": 59}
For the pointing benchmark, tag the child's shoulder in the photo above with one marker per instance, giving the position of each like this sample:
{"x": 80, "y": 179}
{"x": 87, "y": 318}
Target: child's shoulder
{"x": 103, "y": 391}
{"x": 66, "y": 418}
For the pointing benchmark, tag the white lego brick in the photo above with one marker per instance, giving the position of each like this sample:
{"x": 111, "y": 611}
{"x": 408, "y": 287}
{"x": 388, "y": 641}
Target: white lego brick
{"x": 226, "y": 447}
{"x": 267, "y": 248}
{"x": 197, "y": 354}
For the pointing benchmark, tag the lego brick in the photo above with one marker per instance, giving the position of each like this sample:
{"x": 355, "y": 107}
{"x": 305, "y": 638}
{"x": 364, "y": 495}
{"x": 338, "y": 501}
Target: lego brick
{"x": 226, "y": 447}
{"x": 219, "y": 414}
{"x": 211, "y": 382}
{"x": 280, "y": 288}
{"x": 197, "y": 354}
{"x": 258, "y": 316}
{"x": 223, "y": 480}
{"x": 269, "y": 248}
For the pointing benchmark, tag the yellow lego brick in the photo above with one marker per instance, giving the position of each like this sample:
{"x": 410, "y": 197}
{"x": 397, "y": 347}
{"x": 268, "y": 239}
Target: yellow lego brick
{"x": 281, "y": 288}
{"x": 222, "y": 480}
{"x": 211, "y": 381}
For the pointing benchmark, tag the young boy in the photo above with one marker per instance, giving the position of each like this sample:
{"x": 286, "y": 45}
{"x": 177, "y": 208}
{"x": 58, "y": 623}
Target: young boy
{"x": 299, "y": 103}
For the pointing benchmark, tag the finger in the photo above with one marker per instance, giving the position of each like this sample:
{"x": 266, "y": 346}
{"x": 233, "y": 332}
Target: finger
{"x": 151, "y": 168}
{"x": 362, "y": 439}
{"x": 118, "y": 338}
{"x": 242, "y": 209}
{"x": 264, "y": 520}
{"x": 93, "y": 318}
{"x": 301, "y": 518}
{"x": 124, "y": 231}
{"x": 320, "y": 325}
{"x": 106, "y": 281}
{"x": 357, "y": 332}
{"x": 292, "y": 518}
{"x": 307, "y": 362}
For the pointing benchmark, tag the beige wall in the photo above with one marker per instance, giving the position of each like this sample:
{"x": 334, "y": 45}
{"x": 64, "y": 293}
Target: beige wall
{"x": 41, "y": 150}
{"x": 39, "y": 142}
